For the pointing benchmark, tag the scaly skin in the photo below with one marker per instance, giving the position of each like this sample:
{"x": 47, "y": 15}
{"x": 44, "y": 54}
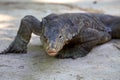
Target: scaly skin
{"x": 69, "y": 35}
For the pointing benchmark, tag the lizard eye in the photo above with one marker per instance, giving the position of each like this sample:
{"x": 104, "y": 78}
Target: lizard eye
{"x": 60, "y": 37}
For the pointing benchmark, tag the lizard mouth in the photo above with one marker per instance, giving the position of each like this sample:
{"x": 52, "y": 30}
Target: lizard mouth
{"x": 52, "y": 52}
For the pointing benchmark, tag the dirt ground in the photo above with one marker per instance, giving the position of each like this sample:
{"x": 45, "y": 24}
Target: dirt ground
{"x": 102, "y": 63}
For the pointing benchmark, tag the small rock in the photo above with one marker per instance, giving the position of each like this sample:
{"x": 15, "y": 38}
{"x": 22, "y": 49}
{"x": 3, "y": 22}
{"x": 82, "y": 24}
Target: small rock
{"x": 21, "y": 67}
{"x": 70, "y": 74}
{"x": 95, "y": 2}
{"x": 58, "y": 72}
{"x": 78, "y": 77}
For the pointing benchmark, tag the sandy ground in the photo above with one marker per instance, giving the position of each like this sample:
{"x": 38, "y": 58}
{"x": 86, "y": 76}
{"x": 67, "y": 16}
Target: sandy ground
{"x": 102, "y": 63}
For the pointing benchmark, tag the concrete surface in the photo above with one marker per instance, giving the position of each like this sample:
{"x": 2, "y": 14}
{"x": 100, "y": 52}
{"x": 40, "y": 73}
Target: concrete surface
{"x": 102, "y": 63}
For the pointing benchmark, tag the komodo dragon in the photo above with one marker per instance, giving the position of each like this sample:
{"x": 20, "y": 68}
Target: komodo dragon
{"x": 68, "y": 35}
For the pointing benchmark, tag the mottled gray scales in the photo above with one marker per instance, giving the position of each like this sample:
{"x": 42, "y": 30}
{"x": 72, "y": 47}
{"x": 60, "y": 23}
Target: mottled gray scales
{"x": 69, "y": 35}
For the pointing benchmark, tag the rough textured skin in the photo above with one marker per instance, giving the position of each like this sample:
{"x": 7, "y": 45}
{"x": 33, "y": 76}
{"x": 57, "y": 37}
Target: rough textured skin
{"x": 69, "y": 35}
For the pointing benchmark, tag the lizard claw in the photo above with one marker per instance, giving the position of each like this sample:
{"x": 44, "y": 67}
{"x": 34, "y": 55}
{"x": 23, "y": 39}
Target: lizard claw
{"x": 13, "y": 49}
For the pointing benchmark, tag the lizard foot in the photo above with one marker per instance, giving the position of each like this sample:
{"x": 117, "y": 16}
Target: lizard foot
{"x": 15, "y": 48}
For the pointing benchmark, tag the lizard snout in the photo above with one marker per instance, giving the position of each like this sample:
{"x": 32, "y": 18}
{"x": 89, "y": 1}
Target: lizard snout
{"x": 52, "y": 52}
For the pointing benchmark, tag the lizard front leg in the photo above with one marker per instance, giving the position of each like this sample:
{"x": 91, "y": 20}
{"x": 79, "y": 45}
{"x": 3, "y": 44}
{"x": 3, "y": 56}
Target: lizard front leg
{"x": 89, "y": 39}
{"x": 29, "y": 25}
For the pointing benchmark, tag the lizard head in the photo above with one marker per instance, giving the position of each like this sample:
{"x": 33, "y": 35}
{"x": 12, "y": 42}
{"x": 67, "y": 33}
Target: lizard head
{"x": 54, "y": 36}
